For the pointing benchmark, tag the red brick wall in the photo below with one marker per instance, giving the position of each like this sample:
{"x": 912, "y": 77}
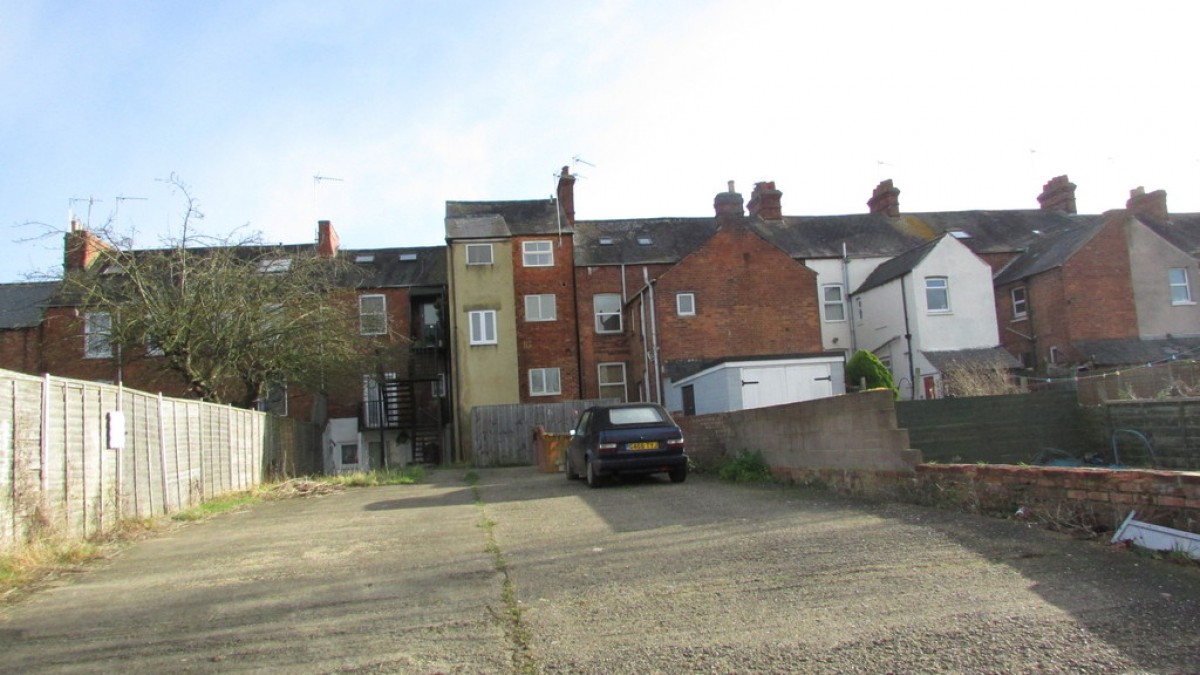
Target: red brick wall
{"x": 1075, "y": 496}
{"x": 1098, "y": 287}
{"x": 598, "y": 348}
{"x": 20, "y": 350}
{"x": 751, "y": 299}
{"x": 547, "y": 344}
{"x": 1069, "y": 499}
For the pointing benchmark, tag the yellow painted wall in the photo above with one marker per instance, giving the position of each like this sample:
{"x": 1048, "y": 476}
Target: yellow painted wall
{"x": 484, "y": 374}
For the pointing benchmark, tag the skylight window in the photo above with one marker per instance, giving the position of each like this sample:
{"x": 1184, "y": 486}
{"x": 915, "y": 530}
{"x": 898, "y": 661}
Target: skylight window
{"x": 606, "y": 241}
{"x": 644, "y": 241}
{"x": 408, "y": 256}
{"x": 364, "y": 258}
{"x": 272, "y": 265}
{"x": 959, "y": 234}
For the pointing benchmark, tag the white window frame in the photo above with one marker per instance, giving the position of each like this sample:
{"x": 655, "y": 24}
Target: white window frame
{"x": 599, "y": 316}
{"x": 534, "y": 255}
{"x": 539, "y": 384}
{"x": 482, "y": 327}
{"x": 543, "y": 307}
{"x": 944, "y": 290}
{"x": 367, "y": 318}
{"x": 477, "y": 248}
{"x": 685, "y": 304}
{"x": 827, "y": 304}
{"x": 1020, "y": 307}
{"x": 97, "y": 335}
{"x": 1183, "y": 285}
{"x": 602, "y": 384}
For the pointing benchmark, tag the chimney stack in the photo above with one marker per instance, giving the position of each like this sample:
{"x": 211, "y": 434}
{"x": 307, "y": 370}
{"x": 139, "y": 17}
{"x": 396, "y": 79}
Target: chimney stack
{"x": 1058, "y": 195}
{"x": 327, "y": 239}
{"x": 885, "y": 199}
{"x": 765, "y": 201}
{"x": 566, "y": 196}
{"x": 1148, "y": 206}
{"x": 81, "y": 248}
{"x": 728, "y": 204}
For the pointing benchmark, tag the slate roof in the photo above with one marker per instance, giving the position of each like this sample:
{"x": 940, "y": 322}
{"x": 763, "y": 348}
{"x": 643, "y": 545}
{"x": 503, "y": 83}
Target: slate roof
{"x": 864, "y": 235}
{"x": 391, "y": 268}
{"x": 639, "y": 241}
{"x": 21, "y": 304}
{"x": 897, "y": 267}
{"x": 986, "y": 357}
{"x": 1000, "y": 231}
{"x": 1183, "y": 231}
{"x": 1134, "y": 351}
{"x": 484, "y": 220}
{"x": 1047, "y": 251}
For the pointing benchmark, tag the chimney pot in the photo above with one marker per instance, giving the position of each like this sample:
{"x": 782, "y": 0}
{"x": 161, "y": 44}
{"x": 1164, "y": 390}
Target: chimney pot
{"x": 327, "y": 239}
{"x": 766, "y": 201}
{"x": 1148, "y": 206}
{"x": 728, "y": 204}
{"x": 566, "y": 196}
{"x": 1058, "y": 194}
{"x": 885, "y": 199}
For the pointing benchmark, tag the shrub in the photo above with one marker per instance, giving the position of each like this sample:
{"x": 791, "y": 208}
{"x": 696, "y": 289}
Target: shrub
{"x": 866, "y": 366}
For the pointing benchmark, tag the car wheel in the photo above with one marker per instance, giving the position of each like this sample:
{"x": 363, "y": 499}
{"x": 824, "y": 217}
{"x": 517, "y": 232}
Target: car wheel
{"x": 571, "y": 475}
{"x": 593, "y": 480}
{"x": 678, "y": 475}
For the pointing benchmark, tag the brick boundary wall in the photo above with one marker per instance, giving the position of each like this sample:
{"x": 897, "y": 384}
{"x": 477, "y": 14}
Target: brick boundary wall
{"x": 1097, "y": 500}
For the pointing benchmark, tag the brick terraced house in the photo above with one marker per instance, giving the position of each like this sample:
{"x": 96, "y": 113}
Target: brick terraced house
{"x": 744, "y": 308}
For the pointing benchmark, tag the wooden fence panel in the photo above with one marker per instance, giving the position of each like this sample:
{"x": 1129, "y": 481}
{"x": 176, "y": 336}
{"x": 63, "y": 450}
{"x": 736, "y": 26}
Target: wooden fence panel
{"x": 57, "y": 472}
{"x": 502, "y": 435}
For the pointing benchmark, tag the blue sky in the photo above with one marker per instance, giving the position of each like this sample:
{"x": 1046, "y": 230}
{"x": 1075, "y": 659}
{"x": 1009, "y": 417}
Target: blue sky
{"x": 414, "y": 103}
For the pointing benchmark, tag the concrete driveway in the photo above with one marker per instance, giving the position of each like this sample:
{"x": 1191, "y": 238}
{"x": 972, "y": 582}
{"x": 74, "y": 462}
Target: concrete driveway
{"x": 525, "y": 573}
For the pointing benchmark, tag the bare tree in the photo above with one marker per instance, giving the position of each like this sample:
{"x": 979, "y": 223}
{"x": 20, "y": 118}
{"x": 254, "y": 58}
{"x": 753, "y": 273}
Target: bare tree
{"x": 228, "y": 316}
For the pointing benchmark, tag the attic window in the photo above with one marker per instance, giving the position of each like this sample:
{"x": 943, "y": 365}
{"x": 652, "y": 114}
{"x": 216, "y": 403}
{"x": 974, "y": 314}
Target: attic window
{"x": 606, "y": 241}
{"x": 644, "y": 241}
{"x": 272, "y": 265}
{"x": 115, "y": 268}
{"x": 408, "y": 256}
{"x": 364, "y": 258}
{"x": 959, "y": 234}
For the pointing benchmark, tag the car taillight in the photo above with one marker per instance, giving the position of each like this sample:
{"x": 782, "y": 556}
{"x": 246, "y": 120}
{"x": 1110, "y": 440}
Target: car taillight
{"x": 674, "y": 442}
{"x": 607, "y": 447}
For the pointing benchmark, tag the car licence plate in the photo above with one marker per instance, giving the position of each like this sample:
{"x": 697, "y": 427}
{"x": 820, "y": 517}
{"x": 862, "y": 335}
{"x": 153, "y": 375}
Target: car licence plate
{"x": 644, "y": 446}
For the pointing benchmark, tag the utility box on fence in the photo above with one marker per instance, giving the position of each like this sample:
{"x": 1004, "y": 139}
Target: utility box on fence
{"x": 550, "y": 449}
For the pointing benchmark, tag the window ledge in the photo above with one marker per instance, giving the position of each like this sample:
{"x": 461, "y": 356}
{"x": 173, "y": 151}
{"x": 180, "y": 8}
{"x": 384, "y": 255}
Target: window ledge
{"x": 1185, "y": 303}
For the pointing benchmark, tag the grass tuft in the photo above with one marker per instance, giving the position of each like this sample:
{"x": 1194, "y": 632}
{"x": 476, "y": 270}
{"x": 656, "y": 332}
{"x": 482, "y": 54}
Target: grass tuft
{"x": 409, "y": 475}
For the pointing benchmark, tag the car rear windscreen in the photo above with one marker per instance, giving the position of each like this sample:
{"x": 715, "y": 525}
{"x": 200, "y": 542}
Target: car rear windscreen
{"x": 620, "y": 416}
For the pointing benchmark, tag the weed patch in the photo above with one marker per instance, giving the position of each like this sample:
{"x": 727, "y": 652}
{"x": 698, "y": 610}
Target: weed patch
{"x": 748, "y": 467}
{"x": 409, "y": 475}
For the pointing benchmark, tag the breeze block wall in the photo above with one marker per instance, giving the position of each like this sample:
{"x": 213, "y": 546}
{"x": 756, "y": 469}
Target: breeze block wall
{"x": 855, "y": 432}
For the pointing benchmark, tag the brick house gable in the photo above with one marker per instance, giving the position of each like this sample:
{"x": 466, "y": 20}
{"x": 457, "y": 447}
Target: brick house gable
{"x": 751, "y": 299}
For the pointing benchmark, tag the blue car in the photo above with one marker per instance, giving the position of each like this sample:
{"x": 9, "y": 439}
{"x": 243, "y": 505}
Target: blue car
{"x": 627, "y": 438}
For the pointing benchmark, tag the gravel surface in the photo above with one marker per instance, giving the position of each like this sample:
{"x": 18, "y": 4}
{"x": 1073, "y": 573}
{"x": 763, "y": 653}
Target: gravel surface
{"x": 531, "y": 573}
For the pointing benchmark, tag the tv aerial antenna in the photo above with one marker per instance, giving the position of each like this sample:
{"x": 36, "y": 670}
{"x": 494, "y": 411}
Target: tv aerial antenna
{"x": 71, "y": 205}
{"x": 317, "y": 180}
